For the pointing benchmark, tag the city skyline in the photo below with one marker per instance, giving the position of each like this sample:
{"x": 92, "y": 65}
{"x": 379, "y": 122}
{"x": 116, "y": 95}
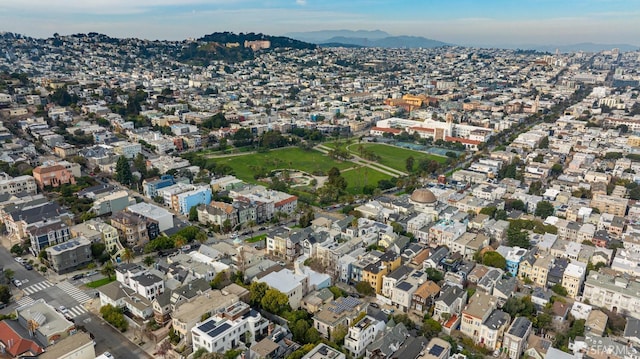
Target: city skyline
{"x": 463, "y": 22}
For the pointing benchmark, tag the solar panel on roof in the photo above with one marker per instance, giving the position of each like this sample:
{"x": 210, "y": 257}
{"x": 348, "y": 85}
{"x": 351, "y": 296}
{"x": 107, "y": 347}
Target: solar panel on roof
{"x": 207, "y": 326}
{"x": 436, "y": 350}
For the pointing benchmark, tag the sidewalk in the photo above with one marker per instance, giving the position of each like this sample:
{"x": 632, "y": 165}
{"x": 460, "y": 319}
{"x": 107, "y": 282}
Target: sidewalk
{"x": 149, "y": 346}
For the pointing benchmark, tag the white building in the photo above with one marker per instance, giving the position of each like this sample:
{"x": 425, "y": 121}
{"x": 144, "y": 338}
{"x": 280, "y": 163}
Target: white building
{"x": 294, "y": 286}
{"x": 238, "y": 324}
{"x": 14, "y": 185}
{"x": 164, "y": 217}
{"x": 361, "y": 334}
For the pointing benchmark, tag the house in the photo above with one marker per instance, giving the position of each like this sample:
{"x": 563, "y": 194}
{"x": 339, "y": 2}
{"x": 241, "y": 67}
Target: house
{"x": 188, "y": 313}
{"x": 513, "y": 258}
{"x": 537, "y": 347}
{"x": 76, "y": 346}
{"x": 475, "y": 314}
{"x": 111, "y": 203}
{"x": 340, "y": 312}
{"x": 45, "y": 233}
{"x": 16, "y": 341}
{"x": 152, "y": 213}
{"x": 133, "y": 229}
{"x": 37, "y": 314}
{"x": 402, "y": 293}
{"x": 596, "y": 323}
{"x": 632, "y": 330}
{"x": 237, "y": 324}
{"x": 393, "y": 336}
{"x": 436, "y": 349}
{"x": 424, "y": 297}
{"x": 361, "y": 334}
{"x": 375, "y": 272}
{"x": 492, "y": 330}
{"x": 69, "y": 256}
{"x": 516, "y": 337}
{"x": 294, "y": 286}
{"x": 323, "y": 351}
{"x": 573, "y": 277}
{"x": 450, "y": 302}
{"x": 53, "y": 175}
{"x": 391, "y": 280}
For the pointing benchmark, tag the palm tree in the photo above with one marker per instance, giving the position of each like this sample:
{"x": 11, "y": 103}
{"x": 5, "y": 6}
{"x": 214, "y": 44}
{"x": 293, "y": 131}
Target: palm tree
{"x": 108, "y": 270}
{"x": 127, "y": 255}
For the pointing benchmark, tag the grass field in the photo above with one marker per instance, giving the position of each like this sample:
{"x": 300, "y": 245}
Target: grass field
{"x": 294, "y": 158}
{"x": 395, "y": 157}
{"x": 257, "y": 238}
{"x": 360, "y": 177}
{"x": 100, "y": 282}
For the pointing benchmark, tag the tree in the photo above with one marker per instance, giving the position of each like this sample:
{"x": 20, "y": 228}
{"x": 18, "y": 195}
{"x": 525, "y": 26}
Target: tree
{"x": 17, "y": 249}
{"x": 257, "y": 291}
{"x": 108, "y": 270}
{"x": 434, "y": 275}
{"x": 494, "y": 259}
{"x": 409, "y": 162}
{"x": 544, "y": 143}
{"x": 489, "y": 211}
{"x": 123, "y": 171}
{"x": 5, "y": 294}
{"x": 114, "y": 317}
{"x": 275, "y": 301}
{"x": 559, "y": 289}
{"x": 179, "y": 241}
{"x": 365, "y": 288}
{"x": 516, "y": 204}
{"x": 148, "y": 261}
{"x": 556, "y": 169}
{"x": 218, "y": 281}
{"x": 163, "y": 348}
{"x": 8, "y": 274}
{"x": 431, "y": 328}
{"x": 201, "y": 237}
{"x": 127, "y": 255}
{"x": 544, "y": 209}
{"x": 193, "y": 214}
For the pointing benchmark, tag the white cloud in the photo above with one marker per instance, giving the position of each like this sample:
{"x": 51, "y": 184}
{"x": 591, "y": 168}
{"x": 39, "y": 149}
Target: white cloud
{"x": 301, "y": 2}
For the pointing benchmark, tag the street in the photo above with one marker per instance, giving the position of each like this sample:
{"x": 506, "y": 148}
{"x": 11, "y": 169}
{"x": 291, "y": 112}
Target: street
{"x": 56, "y": 291}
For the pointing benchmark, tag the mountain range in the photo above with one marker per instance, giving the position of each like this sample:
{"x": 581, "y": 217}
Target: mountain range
{"x": 364, "y": 38}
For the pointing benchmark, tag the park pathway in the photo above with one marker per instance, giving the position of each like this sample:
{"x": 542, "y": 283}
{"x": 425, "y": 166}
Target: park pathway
{"x": 362, "y": 162}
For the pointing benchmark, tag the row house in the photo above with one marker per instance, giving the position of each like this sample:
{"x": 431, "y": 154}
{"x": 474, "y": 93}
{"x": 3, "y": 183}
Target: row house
{"x": 424, "y": 296}
{"x": 361, "y": 334}
{"x": 446, "y": 232}
{"x": 375, "y": 272}
{"x": 134, "y": 229}
{"x": 573, "y": 277}
{"x": 47, "y": 233}
{"x": 475, "y": 315}
{"x": 19, "y": 184}
{"x": 53, "y": 176}
{"x": 402, "y": 293}
{"x": 615, "y": 293}
{"x": 340, "y": 312}
{"x": 450, "y": 302}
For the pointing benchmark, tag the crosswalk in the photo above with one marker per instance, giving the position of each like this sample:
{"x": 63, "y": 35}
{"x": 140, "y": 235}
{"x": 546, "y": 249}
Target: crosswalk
{"x": 37, "y": 287}
{"x": 74, "y": 292}
{"x": 24, "y": 301}
{"x": 76, "y": 311}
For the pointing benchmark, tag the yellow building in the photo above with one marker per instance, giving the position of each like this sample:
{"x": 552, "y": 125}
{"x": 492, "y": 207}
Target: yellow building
{"x": 375, "y": 272}
{"x": 610, "y": 204}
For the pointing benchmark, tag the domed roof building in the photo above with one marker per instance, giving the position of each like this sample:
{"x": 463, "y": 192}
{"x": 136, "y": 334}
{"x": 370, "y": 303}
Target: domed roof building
{"x": 424, "y": 201}
{"x": 423, "y": 196}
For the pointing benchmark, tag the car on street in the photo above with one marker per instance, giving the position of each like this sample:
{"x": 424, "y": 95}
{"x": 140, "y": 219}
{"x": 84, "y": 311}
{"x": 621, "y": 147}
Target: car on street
{"x": 63, "y": 310}
{"x": 90, "y": 273}
{"x": 77, "y": 276}
{"x": 19, "y": 259}
{"x": 16, "y": 282}
{"x": 28, "y": 266}
{"x": 107, "y": 354}
{"x": 374, "y": 305}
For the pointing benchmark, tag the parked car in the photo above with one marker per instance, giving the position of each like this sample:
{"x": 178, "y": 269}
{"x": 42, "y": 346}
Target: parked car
{"x": 90, "y": 273}
{"x": 63, "y": 310}
{"x": 16, "y": 282}
{"x": 78, "y": 276}
{"x": 19, "y": 259}
{"x": 28, "y": 266}
{"x": 374, "y": 305}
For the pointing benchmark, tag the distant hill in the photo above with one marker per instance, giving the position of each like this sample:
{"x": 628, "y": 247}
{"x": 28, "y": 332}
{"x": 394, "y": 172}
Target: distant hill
{"x": 323, "y": 36}
{"x": 390, "y": 42}
{"x": 216, "y": 47}
{"x": 339, "y": 44}
{"x": 365, "y": 38}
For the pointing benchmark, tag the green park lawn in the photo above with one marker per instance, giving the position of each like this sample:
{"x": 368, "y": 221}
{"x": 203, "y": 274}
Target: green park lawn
{"x": 100, "y": 282}
{"x": 293, "y": 158}
{"x": 395, "y": 157}
{"x": 360, "y": 177}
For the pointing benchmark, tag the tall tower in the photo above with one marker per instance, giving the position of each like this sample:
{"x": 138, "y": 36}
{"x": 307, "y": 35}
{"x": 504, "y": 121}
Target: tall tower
{"x": 449, "y": 120}
{"x": 536, "y": 105}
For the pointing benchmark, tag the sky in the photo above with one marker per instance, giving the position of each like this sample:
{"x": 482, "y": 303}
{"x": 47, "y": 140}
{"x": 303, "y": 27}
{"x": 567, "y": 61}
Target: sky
{"x": 463, "y": 22}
